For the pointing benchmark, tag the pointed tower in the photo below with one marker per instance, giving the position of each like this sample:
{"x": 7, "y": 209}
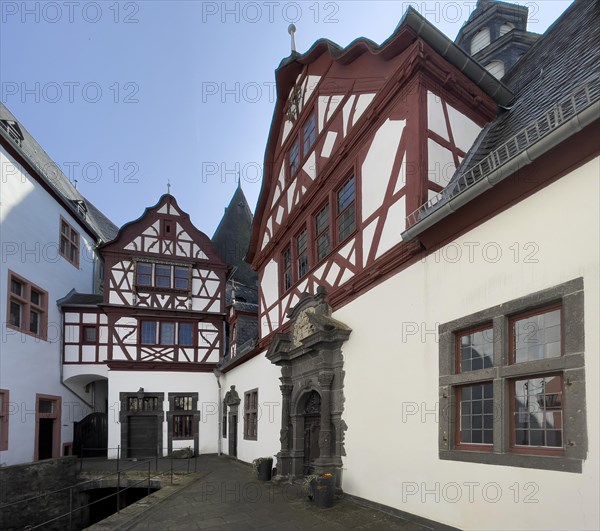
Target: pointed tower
{"x": 232, "y": 237}
{"x": 496, "y": 35}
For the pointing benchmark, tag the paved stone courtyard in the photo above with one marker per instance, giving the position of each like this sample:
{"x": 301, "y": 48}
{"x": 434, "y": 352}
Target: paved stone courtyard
{"x": 225, "y": 495}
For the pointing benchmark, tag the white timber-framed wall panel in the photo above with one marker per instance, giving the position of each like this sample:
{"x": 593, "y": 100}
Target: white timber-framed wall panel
{"x": 403, "y": 382}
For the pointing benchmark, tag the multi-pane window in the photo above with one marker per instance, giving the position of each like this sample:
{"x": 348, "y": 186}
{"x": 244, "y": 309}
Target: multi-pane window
{"x": 166, "y": 332}
{"x": 287, "y": 268}
{"x": 309, "y": 134}
{"x": 183, "y": 426}
{"x": 251, "y": 414}
{"x": 186, "y": 334}
{"x": 144, "y": 274}
{"x": 162, "y": 276}
{"x": 475, "y": 403}
{"x": 294, "y": 159}
{"x": 69, "y": 243}
{"x": 537, "y": 412}
{"x": 322, "y": 237}
{"x": 346, "y": 209}
{"x": 89, "y": 334}
{"x": 182, "y": 277}
{"x": 536, "y": 336}
{"x": 517, "y": 387}
{"x": 302, "y": 252}
{"x": 183, "y": 403}
{"x": 146, "y": 403}
{"x": 27, "y": 306}
{"x": 476, "y": 349}
{"x": 476, "y": 410}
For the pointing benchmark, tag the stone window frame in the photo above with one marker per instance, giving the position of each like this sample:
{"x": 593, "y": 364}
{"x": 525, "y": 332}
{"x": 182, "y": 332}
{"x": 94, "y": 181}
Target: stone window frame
{"x": 570, "y": 365}
{"x": 172, "y": 413}
{"x": 250, "y": 416}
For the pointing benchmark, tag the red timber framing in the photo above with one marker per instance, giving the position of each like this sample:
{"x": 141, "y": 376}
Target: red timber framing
{"x": 396, "y": 84}
{"x": 164, "y": 296}
{"x": 85, "y": 335}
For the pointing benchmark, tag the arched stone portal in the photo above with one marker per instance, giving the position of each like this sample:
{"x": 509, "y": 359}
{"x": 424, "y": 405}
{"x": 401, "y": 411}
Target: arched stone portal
{"x": 312, "y": 384}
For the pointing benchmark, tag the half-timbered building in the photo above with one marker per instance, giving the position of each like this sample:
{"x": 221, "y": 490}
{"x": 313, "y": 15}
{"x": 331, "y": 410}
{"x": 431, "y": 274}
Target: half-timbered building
{"x": 427, "y": 318}
{"x": 155, "y": 336}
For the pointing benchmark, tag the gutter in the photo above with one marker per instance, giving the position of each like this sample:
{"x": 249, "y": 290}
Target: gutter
{"x": 459, "y": 58}
{"x": 532, "y": 153}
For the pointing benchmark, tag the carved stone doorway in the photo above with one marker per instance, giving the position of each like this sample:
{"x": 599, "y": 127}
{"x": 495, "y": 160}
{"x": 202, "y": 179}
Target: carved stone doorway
{"x": 312, "y": 429}
{"x": 312, "y": 389}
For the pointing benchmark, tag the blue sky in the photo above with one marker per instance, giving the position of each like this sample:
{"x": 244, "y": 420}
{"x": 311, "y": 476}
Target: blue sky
{"x": 125, "y": 95}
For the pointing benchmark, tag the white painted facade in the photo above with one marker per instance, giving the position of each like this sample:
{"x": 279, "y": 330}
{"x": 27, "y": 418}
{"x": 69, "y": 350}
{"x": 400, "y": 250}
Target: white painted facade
{"x": 30, "y": 219}
{"x": 205, "y": 384}
{"x": 403, "y": 382}
{"x": 259, "y": 373}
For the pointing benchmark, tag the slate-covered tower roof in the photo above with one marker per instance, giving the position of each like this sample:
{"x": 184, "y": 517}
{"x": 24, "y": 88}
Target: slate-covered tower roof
{"x": 232, "y": 237}
{"x": 496, "y": 35}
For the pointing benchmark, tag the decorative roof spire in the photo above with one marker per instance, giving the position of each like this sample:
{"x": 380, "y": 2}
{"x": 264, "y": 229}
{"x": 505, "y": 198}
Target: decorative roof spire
{"x": 169, "y": 186}
{"x": 291, "y": 31}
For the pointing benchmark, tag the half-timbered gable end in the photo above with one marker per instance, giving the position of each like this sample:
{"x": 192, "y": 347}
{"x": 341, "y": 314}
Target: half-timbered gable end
{"x": 361, "y": 137}
{"x": 163, "y": 299}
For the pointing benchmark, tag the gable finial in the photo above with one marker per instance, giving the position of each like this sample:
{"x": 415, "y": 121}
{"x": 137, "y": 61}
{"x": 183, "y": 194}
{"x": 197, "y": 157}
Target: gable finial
{"x": 169, "y": 186}
{"x": 239, "y": 179}
{"x": 291, "y": 31}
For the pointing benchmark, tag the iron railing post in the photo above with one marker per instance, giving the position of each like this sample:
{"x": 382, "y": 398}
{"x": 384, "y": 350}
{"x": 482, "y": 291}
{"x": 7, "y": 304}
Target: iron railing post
{"x": 70, "y": 508}
{"x": 149, "y": 464}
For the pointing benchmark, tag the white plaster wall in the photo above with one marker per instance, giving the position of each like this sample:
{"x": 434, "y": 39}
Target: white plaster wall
{"x": 30, "y": 219}
{"x": 205, "y": 384}
{"x": 259, "y": 373}
{"x": 391, "y": 364}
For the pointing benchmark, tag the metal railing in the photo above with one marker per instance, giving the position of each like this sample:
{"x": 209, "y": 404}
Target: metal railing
{"x": 582, "y": 97}
{"x": 168, "y": 465}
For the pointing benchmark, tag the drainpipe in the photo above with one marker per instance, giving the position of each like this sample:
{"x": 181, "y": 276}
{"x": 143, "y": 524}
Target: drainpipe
{"x": 217, "y": 374}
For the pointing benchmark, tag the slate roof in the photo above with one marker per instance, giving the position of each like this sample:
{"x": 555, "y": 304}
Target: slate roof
{"x": 232, "y": 237}
{"x": 50, "y": 173}
{"x": 558, "y": 65}
{"x": 74, "y": 298}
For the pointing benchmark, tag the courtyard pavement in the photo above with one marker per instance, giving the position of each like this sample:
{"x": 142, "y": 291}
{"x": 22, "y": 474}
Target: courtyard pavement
{"x": 225, "y": 495}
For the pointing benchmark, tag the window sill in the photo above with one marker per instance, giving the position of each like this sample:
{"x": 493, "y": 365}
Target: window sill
{"x": 542, "y": 462}
{"x": 36, "y": 336}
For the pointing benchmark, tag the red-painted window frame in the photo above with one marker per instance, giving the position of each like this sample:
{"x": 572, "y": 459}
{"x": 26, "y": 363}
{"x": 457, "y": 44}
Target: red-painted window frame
{"x": 4, "y": 419}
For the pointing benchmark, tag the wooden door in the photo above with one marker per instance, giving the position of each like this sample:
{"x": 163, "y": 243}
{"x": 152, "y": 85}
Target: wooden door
{"x": 143, "y": 436}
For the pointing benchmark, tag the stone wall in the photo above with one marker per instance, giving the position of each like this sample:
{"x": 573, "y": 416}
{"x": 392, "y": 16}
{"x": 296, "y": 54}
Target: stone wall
{"x": 21, "y": 482}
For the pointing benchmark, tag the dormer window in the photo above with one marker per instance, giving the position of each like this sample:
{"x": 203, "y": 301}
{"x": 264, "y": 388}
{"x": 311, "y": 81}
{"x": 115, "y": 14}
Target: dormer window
{"x": 13, "y": 130}
{"x": 496, "y": 68}
{"x": 81, "y": 208}
{"x": 505, "y": 28}
{"x": 480, "y": 40}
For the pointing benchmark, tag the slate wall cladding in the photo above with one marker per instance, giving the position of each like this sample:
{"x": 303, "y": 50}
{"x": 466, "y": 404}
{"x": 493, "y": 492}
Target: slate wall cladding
{"x": 20, "y": 482}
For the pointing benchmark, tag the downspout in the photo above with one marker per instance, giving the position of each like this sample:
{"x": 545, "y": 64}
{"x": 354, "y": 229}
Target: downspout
{"x": 217, "y": 374}
{"x": 550, "y": 141}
